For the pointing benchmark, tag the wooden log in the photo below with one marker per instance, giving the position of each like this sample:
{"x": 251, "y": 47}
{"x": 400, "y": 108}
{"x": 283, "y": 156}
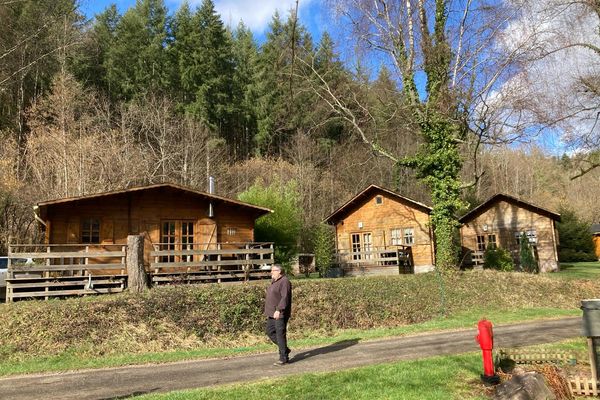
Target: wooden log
{"x": 137, "y": 280}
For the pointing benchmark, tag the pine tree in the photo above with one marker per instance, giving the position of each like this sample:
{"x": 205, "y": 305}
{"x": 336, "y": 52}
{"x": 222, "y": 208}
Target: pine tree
{"x": 526, "y": 256}
{"x": 284, "y": 106}
{"x": 211, "y": 70}
{"x": 137, "y": 63}
{"x": 89, "y": 64}
{"x": 245, "y": 58}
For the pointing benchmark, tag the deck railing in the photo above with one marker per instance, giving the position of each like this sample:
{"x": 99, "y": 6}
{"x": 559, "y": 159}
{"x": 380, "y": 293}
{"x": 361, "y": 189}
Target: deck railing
{"x": 210, "y": 262}
{"x": 63, "y": 270}
{"x": 58, "y": 270}
{"x": 399, "y": 257}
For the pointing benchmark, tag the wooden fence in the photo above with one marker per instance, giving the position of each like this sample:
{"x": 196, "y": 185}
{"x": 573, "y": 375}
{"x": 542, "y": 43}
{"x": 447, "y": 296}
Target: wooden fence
{"x": 376, "y": 260}
{"x": 214, "y": 262}
{"x": 48, "y": 271}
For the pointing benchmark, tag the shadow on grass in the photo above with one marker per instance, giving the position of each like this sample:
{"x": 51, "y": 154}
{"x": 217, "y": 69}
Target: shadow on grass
{"x": 566, "y": 266}
{"x": 337, "y": 346}
{"x": 130, "y": 395}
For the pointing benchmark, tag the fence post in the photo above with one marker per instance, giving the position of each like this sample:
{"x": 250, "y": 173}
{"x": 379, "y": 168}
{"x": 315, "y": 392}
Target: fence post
{"x": 137, "y": 279}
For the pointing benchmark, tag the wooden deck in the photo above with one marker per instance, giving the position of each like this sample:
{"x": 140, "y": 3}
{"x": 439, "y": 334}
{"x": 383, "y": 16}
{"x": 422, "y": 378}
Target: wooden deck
{"x": 58, "y": 271}
{"x": 383, "y": 260}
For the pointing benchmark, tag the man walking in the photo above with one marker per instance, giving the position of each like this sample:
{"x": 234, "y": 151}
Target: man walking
{"x": 278, "y": 308}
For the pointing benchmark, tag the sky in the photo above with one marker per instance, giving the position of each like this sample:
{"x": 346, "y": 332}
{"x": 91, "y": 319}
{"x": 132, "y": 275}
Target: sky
{"x": 255, "y": 14}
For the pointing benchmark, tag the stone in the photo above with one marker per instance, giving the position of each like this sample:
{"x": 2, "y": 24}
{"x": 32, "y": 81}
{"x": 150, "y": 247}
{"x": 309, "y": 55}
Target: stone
{"x": 526, "y": 386}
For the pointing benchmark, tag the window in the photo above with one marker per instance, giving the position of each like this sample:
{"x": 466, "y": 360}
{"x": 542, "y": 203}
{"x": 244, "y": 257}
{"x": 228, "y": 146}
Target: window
{"x": 90, "y": 230}
{"x": 396, "y": 236}
{"x": 480, "y": 243}
{"x": 492, "y": 241}
{"x": 231, "y": 231}
{"x": 167, "y": 240}
{"x": 367, "y": 245}
{"x": 409, "y": 236}
{"x": 378, "y": 200}
{"x": 355, "y": 246}
{"x": 531, "y": 236}
{"x": 187, "y": 239}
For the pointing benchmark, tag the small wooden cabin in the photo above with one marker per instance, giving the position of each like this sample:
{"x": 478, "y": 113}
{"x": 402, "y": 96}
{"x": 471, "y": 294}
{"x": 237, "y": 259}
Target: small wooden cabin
{"x": 595, "y": 230}
{"x": 168, "y": 214}
{"x": 500, "y": 221}
{"x": 378, "y": 225}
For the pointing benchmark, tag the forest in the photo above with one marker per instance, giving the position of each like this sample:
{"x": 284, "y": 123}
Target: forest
{"x": 444, "y": 102}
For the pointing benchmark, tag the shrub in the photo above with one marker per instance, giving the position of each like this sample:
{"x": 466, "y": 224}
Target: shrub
{"x": 526, "y": 257}
{"x": 282, "y": 227}
{"x": 498, "y": 258}
{"x": 323, "y": 247}
{"x": 575, "y": 240}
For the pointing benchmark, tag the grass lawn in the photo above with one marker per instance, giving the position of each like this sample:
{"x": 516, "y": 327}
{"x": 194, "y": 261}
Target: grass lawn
{"x": 450, "y": 377}
{"x": 578, "y": 270}
{"x": 73, "y": 360}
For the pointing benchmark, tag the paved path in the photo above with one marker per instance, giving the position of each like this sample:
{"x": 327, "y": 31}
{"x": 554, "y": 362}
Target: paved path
{"x": 118, "y": 383}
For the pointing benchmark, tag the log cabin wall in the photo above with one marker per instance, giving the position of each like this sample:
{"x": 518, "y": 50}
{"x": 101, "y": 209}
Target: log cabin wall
{"x": 379, "y": 217}
{"x": 504, "y": 221}
{"x": 150, "y": 213}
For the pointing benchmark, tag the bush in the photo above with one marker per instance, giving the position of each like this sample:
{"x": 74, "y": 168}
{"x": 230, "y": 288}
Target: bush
{"x": 282, "y": 227}
{"x": 575, "y": 239}
{"x": 323, "y": 247}
{"x": 528, "y": 262}
{"x": 498, "y": 259}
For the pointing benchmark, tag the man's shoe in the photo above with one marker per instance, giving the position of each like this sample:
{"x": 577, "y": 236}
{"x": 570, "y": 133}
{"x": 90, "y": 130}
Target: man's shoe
{"x": 279, "y": 363}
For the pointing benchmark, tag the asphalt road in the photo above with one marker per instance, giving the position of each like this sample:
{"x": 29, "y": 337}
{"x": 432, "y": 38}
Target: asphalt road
{"x": 118, "y": 383}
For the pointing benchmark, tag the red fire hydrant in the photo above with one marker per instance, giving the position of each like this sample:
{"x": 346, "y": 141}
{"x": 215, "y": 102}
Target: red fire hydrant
{"x": 485, "y": 338}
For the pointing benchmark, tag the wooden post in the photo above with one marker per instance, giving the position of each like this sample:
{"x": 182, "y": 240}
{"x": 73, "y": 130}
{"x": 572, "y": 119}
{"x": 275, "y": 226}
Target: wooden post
{"x": 137, "y": 280}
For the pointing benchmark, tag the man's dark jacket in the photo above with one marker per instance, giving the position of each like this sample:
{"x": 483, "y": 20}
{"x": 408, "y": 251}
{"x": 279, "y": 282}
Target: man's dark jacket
{"x": 279, "y": 297}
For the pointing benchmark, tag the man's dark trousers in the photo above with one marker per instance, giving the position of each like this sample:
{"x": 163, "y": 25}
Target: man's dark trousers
{"x": 276, "y": 331}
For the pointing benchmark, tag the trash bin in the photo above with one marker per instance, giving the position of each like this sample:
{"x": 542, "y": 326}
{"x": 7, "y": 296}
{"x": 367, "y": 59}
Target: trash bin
{"x": 591, "y": 317}
{"x": 591, "y": 329}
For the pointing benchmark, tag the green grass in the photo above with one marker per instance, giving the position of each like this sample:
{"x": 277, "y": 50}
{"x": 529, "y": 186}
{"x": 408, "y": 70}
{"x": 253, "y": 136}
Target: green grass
{"x": 72, "y": 359}
{"x": 448, "y": 377}
{"x": 452, "y": 377}
{"x": 578, "y": 270}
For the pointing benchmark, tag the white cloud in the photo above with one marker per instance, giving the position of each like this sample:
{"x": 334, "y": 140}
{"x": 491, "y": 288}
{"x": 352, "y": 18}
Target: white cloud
{"x": 255, "y": 14}
{"x": 547, "y": 90}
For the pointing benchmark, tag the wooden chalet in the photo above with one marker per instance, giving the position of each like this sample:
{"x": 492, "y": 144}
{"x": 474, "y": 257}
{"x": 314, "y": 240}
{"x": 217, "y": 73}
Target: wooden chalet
{"x": 379, "y": 231}
{"x": 500, "y": 221}
{"x": 188, "y": 236}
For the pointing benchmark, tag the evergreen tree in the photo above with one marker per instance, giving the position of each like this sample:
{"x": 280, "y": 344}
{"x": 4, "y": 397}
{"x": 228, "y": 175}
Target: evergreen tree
{"x": 575, "y": 240}
{"x": 137, "y": 63}
{"x": 89, "y": 64}
{"x": 284, "y": 107}
{"x": 245, "y": 58}
{"x": 527, "y": 259}
{"x": 209, "y": 74}
{"x": 186, "y": 39}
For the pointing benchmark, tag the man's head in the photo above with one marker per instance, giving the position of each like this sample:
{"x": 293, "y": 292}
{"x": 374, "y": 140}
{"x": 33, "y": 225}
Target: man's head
{"x": 276, "y": 272}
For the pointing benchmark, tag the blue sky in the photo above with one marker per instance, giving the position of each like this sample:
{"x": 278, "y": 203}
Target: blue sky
{"x": 255, "y": 14}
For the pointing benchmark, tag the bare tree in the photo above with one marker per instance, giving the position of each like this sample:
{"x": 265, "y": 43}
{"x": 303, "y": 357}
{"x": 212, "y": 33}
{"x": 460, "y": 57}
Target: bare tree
{"x": 445, "y": 60}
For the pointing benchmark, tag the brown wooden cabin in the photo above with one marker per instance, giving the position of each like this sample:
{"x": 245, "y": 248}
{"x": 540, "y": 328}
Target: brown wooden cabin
{"x": 500, "y": 222}
{"x": 377, "y": 227}
{"x": 169, "y": 214}
{"x": 595, "y": 230}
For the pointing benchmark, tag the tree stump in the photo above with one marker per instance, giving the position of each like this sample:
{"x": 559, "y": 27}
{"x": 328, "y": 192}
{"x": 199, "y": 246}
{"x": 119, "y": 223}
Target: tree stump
{"x": 137, "y": 279}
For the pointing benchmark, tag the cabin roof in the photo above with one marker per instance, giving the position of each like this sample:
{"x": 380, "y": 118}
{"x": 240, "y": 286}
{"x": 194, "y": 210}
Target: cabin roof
{"x": 258, "y": 210}
{"x": 509, "y": 199}
{"x": 341, "y": 212}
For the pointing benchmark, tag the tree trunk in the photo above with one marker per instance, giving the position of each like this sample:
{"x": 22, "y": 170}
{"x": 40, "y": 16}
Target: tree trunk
{"x": 137, "y": 280}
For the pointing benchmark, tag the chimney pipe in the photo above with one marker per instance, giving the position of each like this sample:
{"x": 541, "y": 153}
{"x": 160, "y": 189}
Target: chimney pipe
{"x": 211, "y": 190}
